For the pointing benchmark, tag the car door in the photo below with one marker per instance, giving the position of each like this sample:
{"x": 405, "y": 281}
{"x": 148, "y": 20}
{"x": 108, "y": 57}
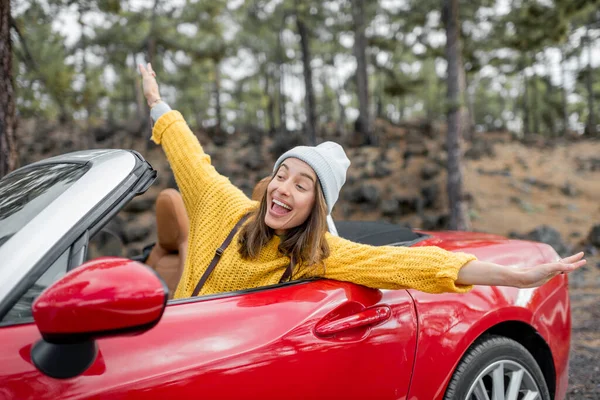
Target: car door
{"x": 316, "y": 339}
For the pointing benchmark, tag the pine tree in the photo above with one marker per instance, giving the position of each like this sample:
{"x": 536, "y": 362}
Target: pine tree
{"x": 363, "y": 123}
{"x": 459, "y": 219}
{"x": 8, "y": 149}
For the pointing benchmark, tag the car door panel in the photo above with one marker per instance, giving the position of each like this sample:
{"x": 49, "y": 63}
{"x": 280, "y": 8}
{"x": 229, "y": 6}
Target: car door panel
{"x": 257, "y": 345}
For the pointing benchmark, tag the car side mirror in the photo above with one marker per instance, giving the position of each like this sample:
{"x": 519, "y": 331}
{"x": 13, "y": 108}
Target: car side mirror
{"x": 108, "y": 296}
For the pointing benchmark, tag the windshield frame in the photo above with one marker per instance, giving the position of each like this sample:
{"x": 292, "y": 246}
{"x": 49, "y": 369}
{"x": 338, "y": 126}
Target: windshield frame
{"x": 24, "y": 213}
{"x": 42, "y": 240}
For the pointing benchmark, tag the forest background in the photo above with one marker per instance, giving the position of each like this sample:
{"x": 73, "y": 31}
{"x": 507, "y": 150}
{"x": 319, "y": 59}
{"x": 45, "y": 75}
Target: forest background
{"x": 456, "y": 114}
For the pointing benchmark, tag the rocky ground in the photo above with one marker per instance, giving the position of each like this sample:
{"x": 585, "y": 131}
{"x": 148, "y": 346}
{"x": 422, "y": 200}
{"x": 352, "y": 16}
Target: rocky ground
{"x": 584, "y": 374}
{"x": 535, "y": 189}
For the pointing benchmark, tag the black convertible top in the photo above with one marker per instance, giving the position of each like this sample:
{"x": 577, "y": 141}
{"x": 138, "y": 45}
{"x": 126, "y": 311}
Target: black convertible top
{"x": 377, "y": 233}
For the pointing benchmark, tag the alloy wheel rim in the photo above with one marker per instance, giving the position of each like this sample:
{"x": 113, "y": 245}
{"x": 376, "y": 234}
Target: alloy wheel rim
{"x": 504, "y": 380}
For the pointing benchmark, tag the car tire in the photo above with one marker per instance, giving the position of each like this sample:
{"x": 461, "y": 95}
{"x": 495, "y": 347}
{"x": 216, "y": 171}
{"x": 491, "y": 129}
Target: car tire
{"x": 496, "y": 363}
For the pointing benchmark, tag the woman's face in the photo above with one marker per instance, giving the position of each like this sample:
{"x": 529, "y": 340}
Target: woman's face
{"x": 290, "y": 195}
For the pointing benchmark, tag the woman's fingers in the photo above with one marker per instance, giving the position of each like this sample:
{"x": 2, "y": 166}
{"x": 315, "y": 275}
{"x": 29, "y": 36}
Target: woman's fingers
{"x": 571, "y": 263}
{"x": 570, "y": 267}
{"x": 151, "y": 70}
{"x": 578, "y": 264}
{"x": 573, "y": 258}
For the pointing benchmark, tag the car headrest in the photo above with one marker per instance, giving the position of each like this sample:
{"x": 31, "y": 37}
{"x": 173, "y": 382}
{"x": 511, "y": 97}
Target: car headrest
{"x": 172, "y": 223}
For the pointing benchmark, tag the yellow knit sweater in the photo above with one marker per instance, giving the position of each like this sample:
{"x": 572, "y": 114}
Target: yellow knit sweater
{"x": 214, "y": 205}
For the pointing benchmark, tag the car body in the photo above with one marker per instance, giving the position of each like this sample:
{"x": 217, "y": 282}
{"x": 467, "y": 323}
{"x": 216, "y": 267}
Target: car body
{"x": 103, "y": 328}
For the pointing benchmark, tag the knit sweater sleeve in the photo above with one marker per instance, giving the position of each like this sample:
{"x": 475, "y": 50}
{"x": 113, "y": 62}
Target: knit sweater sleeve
{"x": 197, "y": 179}
{"x": 428, "y": 269}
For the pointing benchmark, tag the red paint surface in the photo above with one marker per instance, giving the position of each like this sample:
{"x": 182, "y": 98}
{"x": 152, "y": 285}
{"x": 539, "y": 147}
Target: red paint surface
{"x": 265, "y": 345}
{"x": 102, "y": 295}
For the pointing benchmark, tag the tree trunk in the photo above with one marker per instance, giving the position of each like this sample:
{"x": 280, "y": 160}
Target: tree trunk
{"x": 363, "y": 123}
{"x": 341, "y": 124}
{"x": 217, "y": 89}
{"x": 151, "y": 39}
{"x": 309, "y": 97}
{"x": 8, "y": 123}
{"x": 270, "y": 105}
{"x": 470, "y": 100}
{"x": 525, "y": 105}
{"x": 589, "y": 84}
{"x": 401, "y": 107}
{"x": 459, "y": 219}
{"x": 565, "y": 109}
{"x": 380, "y": 113}
{"x": 142, "y": 113}
{"x": 534, "y": 105}
{"x": 199, "y": 117}
{"x": 504, "y": 105}
{"x": 280, "y": 71}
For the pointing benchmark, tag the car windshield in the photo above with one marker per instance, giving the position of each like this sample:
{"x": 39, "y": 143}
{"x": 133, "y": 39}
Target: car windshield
{"x": 24, "y": 194}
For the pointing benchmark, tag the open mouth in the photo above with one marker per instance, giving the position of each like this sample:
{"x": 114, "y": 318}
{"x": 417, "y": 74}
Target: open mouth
{"x": 280, "y": 208}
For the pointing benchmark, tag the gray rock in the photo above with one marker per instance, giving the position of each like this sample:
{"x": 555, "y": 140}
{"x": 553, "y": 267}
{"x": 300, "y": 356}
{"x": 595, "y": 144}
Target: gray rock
{"x": 365, "y": 193}
{"x": 569, "y": 190}
{"x": 135, "y": 233}
{"x": 494, "y": 172}
{"x": 537, "y": 183}
{"x": 590, "y": 164}
{"x": 139, "y": 205}
{"x": 594, "y": 236}
{"x": 547, "y": 234}
{"x": 480, "y": 148}
{"x": 285, "y": 141}
{"x": 380, "y": 170}
{"x": 171, "y": 183}
{"x": 430, "y": 195}
{"x": 246, "y": 186}
{"x": 434, "y": 222}
{"x": 522, "y": 162}
{"x": 253, "y": 160}
{"x": 409, "y": 204}
{"x": 577, "y": 279}
{"x": 390, "y": 207}
{"x": 430, "y": 171}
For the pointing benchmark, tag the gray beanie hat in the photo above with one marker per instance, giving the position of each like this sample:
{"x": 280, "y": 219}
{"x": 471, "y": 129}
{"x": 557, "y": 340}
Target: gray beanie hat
{"x": 329, "y": 162}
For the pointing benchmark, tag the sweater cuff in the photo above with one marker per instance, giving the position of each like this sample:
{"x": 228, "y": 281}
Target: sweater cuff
{"x": 449, "y": 274}
{"x": 158, "y": 110}
{"x": 163, "y": 123}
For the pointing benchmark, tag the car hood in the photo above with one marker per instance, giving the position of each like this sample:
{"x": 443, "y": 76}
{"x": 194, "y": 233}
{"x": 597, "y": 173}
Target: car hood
{"x": 489, "y": 247}
{"x": 454, "y": 240}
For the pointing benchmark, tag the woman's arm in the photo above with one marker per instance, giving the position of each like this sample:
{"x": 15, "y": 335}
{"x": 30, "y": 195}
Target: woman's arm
{"x": 428, "y": 269}
{"x": 431, "y": 269}
{"x": 196, "y": 178}
{"x": 486, "y": 273}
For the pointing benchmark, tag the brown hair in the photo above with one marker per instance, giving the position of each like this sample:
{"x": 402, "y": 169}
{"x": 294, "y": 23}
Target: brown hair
{"x": 305, "y": 243}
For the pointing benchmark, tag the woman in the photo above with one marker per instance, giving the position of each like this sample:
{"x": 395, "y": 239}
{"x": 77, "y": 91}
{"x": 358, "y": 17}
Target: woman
{"x": 288, "y": 227}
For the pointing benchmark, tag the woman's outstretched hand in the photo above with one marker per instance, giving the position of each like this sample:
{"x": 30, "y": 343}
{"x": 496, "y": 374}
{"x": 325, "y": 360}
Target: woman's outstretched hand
{"x": 149, "y": 84}
{"x": 486, "y": 273}
{"x": 539, "y": 274}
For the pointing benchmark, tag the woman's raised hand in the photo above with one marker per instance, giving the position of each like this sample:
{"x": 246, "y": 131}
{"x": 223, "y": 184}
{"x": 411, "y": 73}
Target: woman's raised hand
{"x": 478, "y": 272}
{"x": 149, "y": 84}
{"x": 540, "y": 274}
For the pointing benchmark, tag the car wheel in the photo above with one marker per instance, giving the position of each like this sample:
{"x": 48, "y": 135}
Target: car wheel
{"x": 497, "y": 367}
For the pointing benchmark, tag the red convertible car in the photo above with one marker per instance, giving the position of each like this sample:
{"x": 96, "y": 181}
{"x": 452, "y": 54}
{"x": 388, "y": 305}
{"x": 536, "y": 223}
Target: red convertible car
{"x": 73, "y": 326}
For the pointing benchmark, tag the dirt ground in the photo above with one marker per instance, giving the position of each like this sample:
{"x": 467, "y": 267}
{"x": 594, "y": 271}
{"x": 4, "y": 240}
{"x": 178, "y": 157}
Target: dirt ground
{"x": 584, "y": 369}
{"x": 573, "y": 216}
